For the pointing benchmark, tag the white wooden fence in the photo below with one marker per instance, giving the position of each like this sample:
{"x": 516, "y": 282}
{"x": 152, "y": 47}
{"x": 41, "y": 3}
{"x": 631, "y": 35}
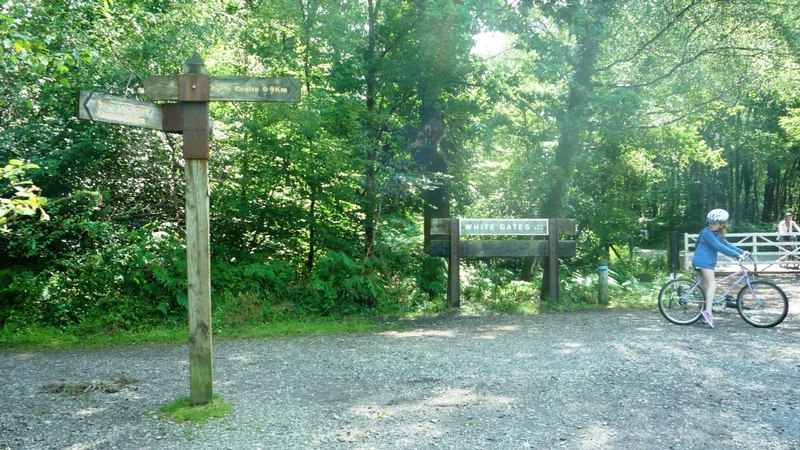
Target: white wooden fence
{"x": 767, "y": 251}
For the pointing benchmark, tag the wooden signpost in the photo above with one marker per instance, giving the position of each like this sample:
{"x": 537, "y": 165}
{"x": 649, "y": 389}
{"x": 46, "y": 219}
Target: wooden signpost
{"x": 193, "y": 90}
{"x": 455, "y": 248}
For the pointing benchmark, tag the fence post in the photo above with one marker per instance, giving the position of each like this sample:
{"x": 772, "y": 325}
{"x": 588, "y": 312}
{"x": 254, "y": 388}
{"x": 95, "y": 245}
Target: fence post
{"x": 674, "y": 254}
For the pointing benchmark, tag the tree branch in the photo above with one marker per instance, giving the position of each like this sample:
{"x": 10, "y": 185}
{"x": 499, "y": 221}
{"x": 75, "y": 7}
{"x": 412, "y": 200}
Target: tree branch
{"x": 655, "y": 37}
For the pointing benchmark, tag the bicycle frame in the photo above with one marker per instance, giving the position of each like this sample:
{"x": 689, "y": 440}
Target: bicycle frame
{"x": 742, "y": 273}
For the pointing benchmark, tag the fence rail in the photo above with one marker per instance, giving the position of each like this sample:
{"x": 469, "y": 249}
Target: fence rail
{"x": 769, "y": 253}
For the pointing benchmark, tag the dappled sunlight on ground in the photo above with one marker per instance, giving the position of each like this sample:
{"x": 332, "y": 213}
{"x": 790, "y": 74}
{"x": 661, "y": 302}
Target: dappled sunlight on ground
{"x": 566, "y": 348}
{"x": 88, "y": 411}
{"x": 240, "y": 358}
{"x": 420, "y": 333}
{"x": 424, "y": 418}
{"x": 596, "y": 437}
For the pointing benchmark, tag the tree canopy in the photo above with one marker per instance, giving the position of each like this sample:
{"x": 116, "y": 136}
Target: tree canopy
{"x": 633, "y": 117}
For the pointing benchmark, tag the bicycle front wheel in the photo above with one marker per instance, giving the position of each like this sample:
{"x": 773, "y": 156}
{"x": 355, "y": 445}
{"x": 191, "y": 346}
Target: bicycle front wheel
{"x": 679, "y": 303}
{"x": 766, "y": 305}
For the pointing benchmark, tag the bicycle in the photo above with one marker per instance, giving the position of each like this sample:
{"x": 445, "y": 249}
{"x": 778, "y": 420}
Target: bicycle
{"x": 760, "y": 303}
{"x": 788, "y": 260}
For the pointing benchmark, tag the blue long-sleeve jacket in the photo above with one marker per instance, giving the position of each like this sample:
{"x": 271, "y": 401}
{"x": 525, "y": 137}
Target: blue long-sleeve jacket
{"x": 709, "y": 243}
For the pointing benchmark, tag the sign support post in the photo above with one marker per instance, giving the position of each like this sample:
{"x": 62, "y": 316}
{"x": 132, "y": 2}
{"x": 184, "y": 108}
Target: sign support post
{"x": 193, "y": 96}
{"x": 552, "y": 260}
{"x": 453, "y": 265}
{"x": 191, "y": 93}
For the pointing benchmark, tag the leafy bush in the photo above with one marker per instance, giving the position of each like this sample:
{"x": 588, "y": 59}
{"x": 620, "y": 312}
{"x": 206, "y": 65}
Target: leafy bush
{"x": 17, "y": 287}
{"x": 252, "y": 292}
{"x": 432, "y": 276}
{"x": 135, "y": 278}
{"x": 24, "y": 197}
{"x": 339, "y": 285}
{"x": 488, "y": 287}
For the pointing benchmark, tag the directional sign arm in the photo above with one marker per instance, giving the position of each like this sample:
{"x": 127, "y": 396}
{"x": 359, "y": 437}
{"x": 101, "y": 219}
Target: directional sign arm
{"x": 119, "y": 110}
{"x": 161, "y": 87}
{"x": 231, "y": 89}
{"x": 83, "y": 105}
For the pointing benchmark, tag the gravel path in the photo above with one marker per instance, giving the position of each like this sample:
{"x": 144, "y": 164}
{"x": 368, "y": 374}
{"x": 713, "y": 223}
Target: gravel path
{"x": 602, "y": 379}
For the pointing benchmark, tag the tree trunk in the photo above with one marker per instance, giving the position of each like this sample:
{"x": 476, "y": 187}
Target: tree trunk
{"x": 573, "y": 122}
{"x": 370, "y": 161}
{"x": 436, "y": 201}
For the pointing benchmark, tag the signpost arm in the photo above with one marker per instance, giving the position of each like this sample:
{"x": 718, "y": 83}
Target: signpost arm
{"x": 194, "y": 97}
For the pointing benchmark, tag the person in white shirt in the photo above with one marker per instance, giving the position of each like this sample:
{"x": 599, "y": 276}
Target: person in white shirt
{"x": 786, "y": 228}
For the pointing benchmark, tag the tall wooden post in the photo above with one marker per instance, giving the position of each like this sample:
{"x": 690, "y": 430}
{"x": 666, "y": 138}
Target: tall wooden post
{"x": 193, "y": 93}
{"x": 602, "y": 282}
{"x": 552, "y": 260}
{"x": 453, "y": 265}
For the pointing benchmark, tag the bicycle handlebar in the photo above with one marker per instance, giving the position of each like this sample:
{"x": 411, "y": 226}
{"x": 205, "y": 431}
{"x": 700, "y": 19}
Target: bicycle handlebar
{"x": 749, "y": 256}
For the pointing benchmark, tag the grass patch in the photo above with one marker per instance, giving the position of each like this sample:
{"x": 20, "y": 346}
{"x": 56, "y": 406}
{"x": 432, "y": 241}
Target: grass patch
{"x": 305, "y": 328}
{"x": 182, "y": 410}
{"x": 50, "y": 338}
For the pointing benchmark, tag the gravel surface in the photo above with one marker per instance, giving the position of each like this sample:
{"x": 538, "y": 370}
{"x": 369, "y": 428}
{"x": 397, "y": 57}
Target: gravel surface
{"x": 601, "y": 379}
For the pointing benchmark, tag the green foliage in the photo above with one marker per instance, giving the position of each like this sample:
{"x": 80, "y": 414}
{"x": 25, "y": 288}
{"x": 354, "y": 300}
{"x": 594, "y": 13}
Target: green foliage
{"x": 631, "y": 119}
{"x": 24, "y": 197}
{"x": 791, "y": 125}
{"x": 432, "y": 276}
{"x": 488, "y": 287}
{"x": 17, "y": 288}
{"x": 134, "y": 279}
{"x": 339, "y": 286}
{"x": 252, "y": 292}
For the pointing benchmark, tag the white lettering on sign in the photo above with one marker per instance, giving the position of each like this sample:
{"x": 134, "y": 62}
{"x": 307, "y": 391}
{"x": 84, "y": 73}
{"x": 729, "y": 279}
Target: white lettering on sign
{"x": 506, "y": 227}
{"x": 112, "y": 111}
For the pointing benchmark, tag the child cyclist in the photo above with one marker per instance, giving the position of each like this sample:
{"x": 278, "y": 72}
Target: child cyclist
{"x": 711, "y": 241}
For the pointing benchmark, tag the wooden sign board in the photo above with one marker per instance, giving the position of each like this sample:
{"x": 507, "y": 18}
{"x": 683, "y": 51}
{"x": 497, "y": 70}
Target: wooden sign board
{"x": 119, "y": 110}
{"x": 454, "y": 248}
{"x": 502, "y": 227}
{"x": 236, "y": 89}
{"x": 508, "y": 249}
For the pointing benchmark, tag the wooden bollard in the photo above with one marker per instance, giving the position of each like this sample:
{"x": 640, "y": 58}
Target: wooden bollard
{"x": 602, "y": 271}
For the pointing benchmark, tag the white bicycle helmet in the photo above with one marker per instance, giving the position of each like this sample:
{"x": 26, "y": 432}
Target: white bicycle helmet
{"x": 717, "y": 215}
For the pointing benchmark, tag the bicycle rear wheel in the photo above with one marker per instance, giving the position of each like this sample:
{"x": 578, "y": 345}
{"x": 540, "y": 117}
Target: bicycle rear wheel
{"x": 679, "y": 303}
{"x": 763, "y": 307}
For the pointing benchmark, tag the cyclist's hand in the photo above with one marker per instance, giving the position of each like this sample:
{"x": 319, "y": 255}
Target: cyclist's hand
{"x": 744, "y": 256}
